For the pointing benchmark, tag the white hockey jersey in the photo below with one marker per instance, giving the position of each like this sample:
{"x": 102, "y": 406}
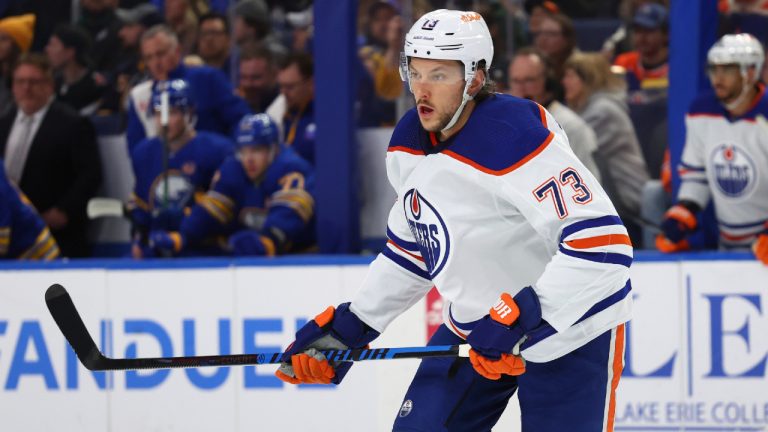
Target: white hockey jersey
{"x": 726, "y": 159}
{"x": 501, "y": 205}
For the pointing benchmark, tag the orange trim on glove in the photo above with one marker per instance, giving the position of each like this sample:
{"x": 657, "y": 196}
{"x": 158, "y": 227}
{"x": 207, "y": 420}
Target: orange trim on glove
{"x": 325, "y": 316}
{"x": 665, "y": 245}
{"x": 508, "y": 364}
{"x": 505, "y": 310}
{"x": 682, "y": 215}
{"x": 760, "y": 248}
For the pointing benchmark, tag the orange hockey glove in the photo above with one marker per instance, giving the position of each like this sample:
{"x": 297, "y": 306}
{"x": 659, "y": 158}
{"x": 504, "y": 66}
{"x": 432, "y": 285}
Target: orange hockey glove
{"x": 760, "y": 248}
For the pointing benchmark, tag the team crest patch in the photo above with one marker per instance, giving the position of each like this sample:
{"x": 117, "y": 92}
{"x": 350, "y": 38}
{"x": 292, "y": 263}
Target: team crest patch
{"x": 734, "y": 171}
{"x": 406, "y": 408}
{"x": 428, "y": 229}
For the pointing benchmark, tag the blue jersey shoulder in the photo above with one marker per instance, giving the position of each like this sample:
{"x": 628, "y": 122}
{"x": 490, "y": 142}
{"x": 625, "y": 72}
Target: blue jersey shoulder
{"x": 406, "y": 133}
{"x": 501, "y": 133}
{"x": 706, "y": 103}
{"x": 288, "y": 161}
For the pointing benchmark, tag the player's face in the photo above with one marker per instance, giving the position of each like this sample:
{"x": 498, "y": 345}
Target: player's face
{"x": 726, "y": 81}
{"x": 177, "y": 123}
{"x": 526, "y": 78}
{"x": 32, "y": 89}
{"x": 160, "y": 55}
{"x": 437, "y": 86}
{"x": 255, "y": 160}
{"x": 573, "y": 87}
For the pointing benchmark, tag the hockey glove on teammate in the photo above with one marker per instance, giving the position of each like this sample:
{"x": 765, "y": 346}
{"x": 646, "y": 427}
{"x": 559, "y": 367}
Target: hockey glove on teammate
{"x": 760, "y": 246}
{"x": 166, "y": 242}
{"x": 496, "y": 335}
{"x": 678, "y": 223}
{"x": 334, "y": 328}
{"x": 249, "y": 243}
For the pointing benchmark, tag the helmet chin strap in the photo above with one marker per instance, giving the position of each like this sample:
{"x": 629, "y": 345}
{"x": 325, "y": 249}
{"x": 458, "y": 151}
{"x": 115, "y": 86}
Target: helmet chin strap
{"x": 464, "y": 99}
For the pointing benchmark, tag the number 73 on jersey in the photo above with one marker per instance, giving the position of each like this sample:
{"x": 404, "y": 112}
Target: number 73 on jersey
{"x": 553, "y": 188}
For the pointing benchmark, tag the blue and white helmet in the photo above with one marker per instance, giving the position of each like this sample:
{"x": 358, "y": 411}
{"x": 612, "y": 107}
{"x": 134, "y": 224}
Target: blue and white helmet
{"x": 449, "y": 35}
{"x": 179, "y": 95}
{"x": 256, "y": 130}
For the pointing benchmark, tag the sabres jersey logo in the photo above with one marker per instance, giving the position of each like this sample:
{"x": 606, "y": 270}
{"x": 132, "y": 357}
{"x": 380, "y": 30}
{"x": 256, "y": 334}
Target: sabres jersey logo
{"x": 734, "y": 172}
{"x": 428, "y": 229}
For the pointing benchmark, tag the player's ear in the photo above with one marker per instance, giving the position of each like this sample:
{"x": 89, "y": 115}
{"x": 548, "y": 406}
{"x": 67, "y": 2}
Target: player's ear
{"x": 477, "y": 82}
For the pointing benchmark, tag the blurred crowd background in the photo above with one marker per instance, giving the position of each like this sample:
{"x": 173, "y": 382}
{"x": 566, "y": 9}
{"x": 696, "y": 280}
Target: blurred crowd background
{"x": 74, "y": 70}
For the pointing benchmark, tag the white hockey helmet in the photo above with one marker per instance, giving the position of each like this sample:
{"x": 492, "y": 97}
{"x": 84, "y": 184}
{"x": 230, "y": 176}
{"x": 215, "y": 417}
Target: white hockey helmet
{"x": 450, "y": 35}
{"x": 741, "y": 49}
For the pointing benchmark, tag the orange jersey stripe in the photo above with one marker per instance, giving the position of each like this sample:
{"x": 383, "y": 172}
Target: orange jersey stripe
{"x": 618, "y": 366}
{"x": 543, "y": 115}
{"x": 405, "y": 150}
{"x": 507, "y": 170}
{"x": 603, "y": 240}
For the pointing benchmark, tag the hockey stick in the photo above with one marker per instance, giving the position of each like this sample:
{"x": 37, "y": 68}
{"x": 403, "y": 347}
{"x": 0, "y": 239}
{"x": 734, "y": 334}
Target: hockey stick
{"x": 71, "y": 325}
{"x": 105, "y": 207}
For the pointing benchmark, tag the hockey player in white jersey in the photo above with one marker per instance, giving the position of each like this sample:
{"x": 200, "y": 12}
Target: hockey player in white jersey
{"x": 496, "y": 211}
{"x": 725, "y": 157}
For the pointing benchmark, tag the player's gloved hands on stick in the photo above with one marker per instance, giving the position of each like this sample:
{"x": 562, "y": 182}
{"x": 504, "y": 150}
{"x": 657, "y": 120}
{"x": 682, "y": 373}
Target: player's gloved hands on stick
{"x": 760, "y": 247}
{"x": 334, "y": 328}
{"x": 496, "y": 335}
{"x": 168, "y": 242}
{"x": 678, "y": 223}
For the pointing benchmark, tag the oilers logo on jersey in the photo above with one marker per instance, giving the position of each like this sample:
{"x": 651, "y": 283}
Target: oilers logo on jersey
{"x": 428, "y": 229}
{"x": 734, "y": 171}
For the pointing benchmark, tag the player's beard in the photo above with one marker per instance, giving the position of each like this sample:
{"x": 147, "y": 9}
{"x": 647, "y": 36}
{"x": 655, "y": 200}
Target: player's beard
{"x": 442, "y": 120}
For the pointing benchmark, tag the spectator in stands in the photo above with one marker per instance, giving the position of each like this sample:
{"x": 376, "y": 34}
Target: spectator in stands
{"x": 218, "y": 108}
{"x": 76, "y": 84}
{"x": 129, "y": 71}
{"x": 537, "y": 10}
{"x": 51, "y": 153}
{"x": 297, "y": 86}
{"x": 597, "y": 95}
{"x": 531, "y": 77}
{"x": 164, "y": 191}
{"x": 183, "y": 21}
{"x": 23, "y": 234}
{"x": 556, "y": 38}
{"x": 16, "y": 34}
{"x": 647, "y": 67}
{"x": 213, "y": 41}
{"x": 261, "y": 199}
{"x": 99, "y": 19}
{"x": 380, "y": 55}
{"x": 258, "y": 77}
{"x": 252, "y": 24}
{"x": 725, "y": 151}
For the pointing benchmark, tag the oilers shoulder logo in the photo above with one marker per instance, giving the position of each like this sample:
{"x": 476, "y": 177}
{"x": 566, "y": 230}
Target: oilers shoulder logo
{"x": 429, "y": 231}
{"x": 734, "y": 172}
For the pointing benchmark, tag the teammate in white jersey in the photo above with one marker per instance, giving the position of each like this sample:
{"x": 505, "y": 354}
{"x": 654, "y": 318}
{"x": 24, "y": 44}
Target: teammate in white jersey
{"x": 496, "y": 211}
{"x": 726, "y": 153}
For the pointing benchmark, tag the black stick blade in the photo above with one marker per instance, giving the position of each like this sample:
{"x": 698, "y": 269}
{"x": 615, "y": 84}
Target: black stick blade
{"x": 71, "y": 325}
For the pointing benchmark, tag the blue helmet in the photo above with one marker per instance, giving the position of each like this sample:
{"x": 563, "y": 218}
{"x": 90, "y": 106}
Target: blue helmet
{"x": 179, "y": 95}
{"x": 256, "y": 130}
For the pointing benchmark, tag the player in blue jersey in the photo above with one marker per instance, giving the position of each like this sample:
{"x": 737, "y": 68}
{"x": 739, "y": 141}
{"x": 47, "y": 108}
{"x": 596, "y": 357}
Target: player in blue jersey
{"x": 23, "y": 234}
{"x": 165, "y": 191}
{"x": 261, "y": 199}
{"x": 496, "y": 211}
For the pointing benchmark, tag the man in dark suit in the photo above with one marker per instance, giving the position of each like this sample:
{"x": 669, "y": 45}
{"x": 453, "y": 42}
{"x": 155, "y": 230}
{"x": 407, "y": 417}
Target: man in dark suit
{"x": 50, "y": 152}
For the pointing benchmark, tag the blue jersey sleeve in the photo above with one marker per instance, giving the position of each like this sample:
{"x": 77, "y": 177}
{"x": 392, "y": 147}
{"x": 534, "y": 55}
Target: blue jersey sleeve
{"x": 215, "y": 211}
{"x": 291, "y": 213}
{"x": 229, "y": 107}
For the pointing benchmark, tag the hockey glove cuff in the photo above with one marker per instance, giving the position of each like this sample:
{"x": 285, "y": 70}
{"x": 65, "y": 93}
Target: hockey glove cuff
{"x": 497, "y": 334}
{"x": 334, "y": 328}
